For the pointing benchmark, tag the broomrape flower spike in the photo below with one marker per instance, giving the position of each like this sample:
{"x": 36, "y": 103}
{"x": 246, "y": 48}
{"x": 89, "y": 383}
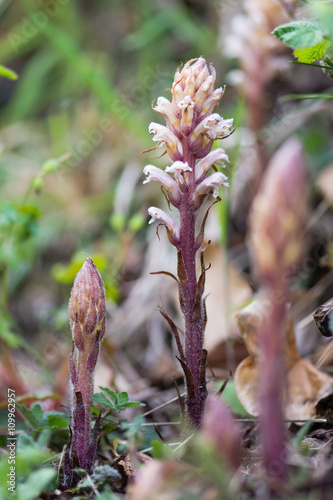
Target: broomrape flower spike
{"x": 87, "y": 321}
{"x": 190, "y": 130}
{"x": 277, "y": 224}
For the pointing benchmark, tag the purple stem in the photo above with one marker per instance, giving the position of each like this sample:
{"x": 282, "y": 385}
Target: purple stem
{"x": 272, "y": 377}
{"x": 84, "y": 385}
{"x": 194, "y": 325}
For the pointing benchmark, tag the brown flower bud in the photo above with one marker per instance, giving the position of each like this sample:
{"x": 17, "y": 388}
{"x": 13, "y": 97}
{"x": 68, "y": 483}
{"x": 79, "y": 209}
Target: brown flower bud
{"x": 87, "y": 305}
{"x": 278, "y": 215}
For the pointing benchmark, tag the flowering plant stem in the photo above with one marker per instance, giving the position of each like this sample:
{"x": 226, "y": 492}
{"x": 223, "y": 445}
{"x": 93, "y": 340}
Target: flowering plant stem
{"x": 87, "y": 319}
{"x": 190, "y": 131}
{"x": 271, "y": 390}
{"x": 194, "y": 320}
{"x": 277, "y": 223}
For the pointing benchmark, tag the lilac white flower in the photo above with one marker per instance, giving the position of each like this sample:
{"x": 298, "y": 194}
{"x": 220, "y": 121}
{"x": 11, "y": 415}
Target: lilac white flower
{"x": 207, "y": 162}
{"x": 178, "y": 169}
{"x": 213, "y": 126}
{"x": 171, "y": 225}
{"x": 155, "y": 174}
{"x": 214, "y": 181}
{"x": 163, "y": 134}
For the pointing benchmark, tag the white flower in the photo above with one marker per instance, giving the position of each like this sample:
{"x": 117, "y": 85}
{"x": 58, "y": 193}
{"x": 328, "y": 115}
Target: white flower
{"x": 171, "y": 225}
{"x": 214, "y": 181}
{"x": 213, "y": 126}
{"x": 211, "y": 101}
{"x": 163, "y": 134}
{"x": 205, "y": 164}
{"x": 164, "y": 107}
{"x": 186, "y": 106}
{"x": 155, "y": 174}
{"x": 178, "y": 169}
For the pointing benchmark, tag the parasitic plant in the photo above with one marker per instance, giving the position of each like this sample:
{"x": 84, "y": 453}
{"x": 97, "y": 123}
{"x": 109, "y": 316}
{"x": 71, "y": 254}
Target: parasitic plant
{"x": 190, "y": 131}
{"x": 87, "y": 320}
{"x": 276, "y": 229}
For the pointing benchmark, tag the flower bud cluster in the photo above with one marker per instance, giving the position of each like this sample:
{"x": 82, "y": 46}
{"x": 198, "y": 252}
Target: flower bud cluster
{"x": 190, "y": 130}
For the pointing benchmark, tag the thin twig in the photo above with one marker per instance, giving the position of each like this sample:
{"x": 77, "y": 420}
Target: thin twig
{"x": 163, "y": 405}
{"x": 91, "y": 482}
{"x": 288, "y": 420}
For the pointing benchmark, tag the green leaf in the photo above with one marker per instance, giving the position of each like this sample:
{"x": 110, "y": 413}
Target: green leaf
{"x": 56, "y": 419}
{"x": 8, "y": 73}
{"x": 36, "y": 482}
{"x": 33, "y": 415}
{"x": 311, "y": 54}
{"x": 161, "y": 450}
{"x": 37, "y": 412}
{"x": 122, "y": 398}
{"x": 134, "y": 404}
{"x": 117, "y": 402}
{"x": 299, "y": 34}
{"x": 112, "y": 395}
{"x": 99, "y": 398}
{"x": 301, "y": 434}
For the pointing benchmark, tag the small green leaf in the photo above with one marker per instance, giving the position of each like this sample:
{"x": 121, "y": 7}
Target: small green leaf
{"x": 122, "y": 398}
{"x": 95, "y": 410}
{"x": 37, "y": 411}
{"x": 299, "y": 34}
{"x": 161, "y": 450}
{"x": 56, "y": 419}
{"x": 8, "y": 73}
{"x": 117, "y": 402}
{"x": 112, "y": 395}
{"x": 99, "y": 398}
{"x": 36, "y": 482}
{"x": 134, "y": 404}
{"x": 302, "y": 433}
{"x": 32, "y": 415}
{"x": 311, "y": 54}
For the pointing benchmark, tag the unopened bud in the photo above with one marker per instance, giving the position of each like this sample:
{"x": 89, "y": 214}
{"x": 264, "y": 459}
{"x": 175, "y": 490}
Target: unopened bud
{"x": 278, "y": 214}
{"x": 87, "y": 305}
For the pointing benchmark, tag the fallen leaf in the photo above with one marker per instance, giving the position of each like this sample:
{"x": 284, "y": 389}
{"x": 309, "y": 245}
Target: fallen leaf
{"x": 325, "y": 182}
{"x": 305, "y": 385}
